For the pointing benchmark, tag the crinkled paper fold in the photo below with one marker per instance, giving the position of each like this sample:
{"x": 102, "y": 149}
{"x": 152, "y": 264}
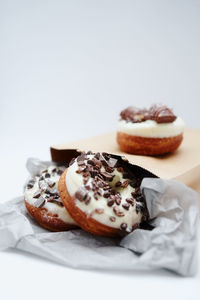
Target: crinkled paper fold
{"x": 172, "y": 244}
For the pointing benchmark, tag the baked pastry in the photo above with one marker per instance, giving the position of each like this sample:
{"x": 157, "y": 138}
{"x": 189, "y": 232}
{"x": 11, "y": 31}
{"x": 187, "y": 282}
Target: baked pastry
{"x": 43, "y": 202}
{"x": 153, "y": 131}
{"x": 102, "y": 194}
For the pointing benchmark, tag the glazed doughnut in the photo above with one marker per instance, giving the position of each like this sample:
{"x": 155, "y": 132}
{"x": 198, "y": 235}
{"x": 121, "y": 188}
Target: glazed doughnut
{"x": 43, "y": 202}
{"x": 149, "y": 132}
{"x": 102, "y": 194}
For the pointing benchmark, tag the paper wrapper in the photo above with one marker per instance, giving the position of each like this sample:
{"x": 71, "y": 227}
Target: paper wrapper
{"x": 182, "y": 165}
{"x": 173, "y": 209}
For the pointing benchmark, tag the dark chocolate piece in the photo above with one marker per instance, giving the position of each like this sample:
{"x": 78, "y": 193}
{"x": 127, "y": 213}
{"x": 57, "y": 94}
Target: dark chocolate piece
{"x": 81, "y": 194}
{"x": 50, "y": 183}
{"x": 125, "y": 184}
{"x": 39, "y": 202}
{"x": 110, "y": 202}
{"x": 118, "y": 212}
{"x": 55, "y": 200}
{"x": 47, "y": 175}
{"x": 123, "y": 226}
{"x": 30, "y": 184}
{"x": 37, "y": 194}
{"x": 126, "y": 206}
{"x": 159, "y": 113}
{"x": 43, "y": 185}
{"x": 130, "y": 201}
{"x": 107, "y": 176}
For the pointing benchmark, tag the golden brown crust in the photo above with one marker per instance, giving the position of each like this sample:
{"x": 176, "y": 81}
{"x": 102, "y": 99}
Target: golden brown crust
{"x": 47, "y": 220}
{"x": 148, "y": 146}
{"x": 85, "y": 222}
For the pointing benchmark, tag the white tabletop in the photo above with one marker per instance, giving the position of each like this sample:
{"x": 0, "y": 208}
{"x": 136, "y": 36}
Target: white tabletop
{"x": 67, "y": 69}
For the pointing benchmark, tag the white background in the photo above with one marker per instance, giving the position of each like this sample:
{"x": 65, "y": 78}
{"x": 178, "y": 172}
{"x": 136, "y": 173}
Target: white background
{"x": 67, "y": 68}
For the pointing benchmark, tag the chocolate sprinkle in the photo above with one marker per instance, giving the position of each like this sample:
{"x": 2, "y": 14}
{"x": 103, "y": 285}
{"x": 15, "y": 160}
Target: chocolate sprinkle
{"x": 125, "y": 184}
{"x": 110, "y": 202}
{"x": 118, "y": 212}
{"x": 130, "y": 201}
{"x": 81, "y": 194}
{"x": 43, "y": 185}
{"x": 37, "y": 194}
{"x": 55, "y": 200}
{"x": 112, "y": 219}
{"x": 107, "y": 176}
{"x": 123, "y": 226}
{"x": 99, "y": 210}
{"x": 47, "y": 175}
{"x": 126, "y": 206}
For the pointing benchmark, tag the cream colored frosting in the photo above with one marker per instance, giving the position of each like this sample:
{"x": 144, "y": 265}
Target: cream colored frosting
{"x": 151, "y": 129}
{"x": 50, "y": 206}
{"x": 74, "y": 181}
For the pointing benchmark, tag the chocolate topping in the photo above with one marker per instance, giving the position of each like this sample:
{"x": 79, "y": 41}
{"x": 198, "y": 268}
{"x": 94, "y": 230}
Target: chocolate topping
{"x": 47, "y": 190}
{"x": 99, "y": 210}
{"x": 55, "y": 200}
{"x": 123, "y": 226}
{"x": 81, "y": 194}
{"x": 37, "y": 194}
{"x": 39, "y": 202}
{"x": 118, "y": 212}
{"x": 159, "y": 113}
{"x": 30, "y": 184}
{"x": 99, "y": 176}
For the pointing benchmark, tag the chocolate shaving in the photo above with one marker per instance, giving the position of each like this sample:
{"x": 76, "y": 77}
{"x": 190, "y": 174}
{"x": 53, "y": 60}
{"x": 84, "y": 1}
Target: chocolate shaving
{"x": 99, "y": 210}
{"x": 118, "y": 212}
{"x": 55, "y": 200}
{"x": 109, "y": 169}
{"x": 106, "y": 194}
{"x": 125, "y": 184}
{"x": 43, "y": 185}
{"x": 30, "y": 184}
{"x": 81, "y": 194}
{"x": 118, "y": 184}
{"x": 39, "y": 202}
{"x": 52, "y": 192}
{"x": 107, "y": 176}
{"x": 88, "y": 199}
{"x": 110, "y": 202}
{"x": 47, "y": 175}
{"x": 130, "y": 201}
{"x": 37, "y": 194}
{"x": 71, "y": 162}
{"x": 112, "y": 219}
{"x": 50, "y": 183}
{"x": 126, "y": 206}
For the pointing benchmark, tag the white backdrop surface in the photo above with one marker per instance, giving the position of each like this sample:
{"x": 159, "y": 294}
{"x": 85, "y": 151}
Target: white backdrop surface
{"x": 67, "y": 68}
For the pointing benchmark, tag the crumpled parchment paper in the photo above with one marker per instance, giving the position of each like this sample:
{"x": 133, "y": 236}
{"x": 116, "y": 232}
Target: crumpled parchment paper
{"x": 172, "y": 244}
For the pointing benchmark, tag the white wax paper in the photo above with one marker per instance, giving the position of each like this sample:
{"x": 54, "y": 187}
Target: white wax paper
{"x": 172, "y": 244}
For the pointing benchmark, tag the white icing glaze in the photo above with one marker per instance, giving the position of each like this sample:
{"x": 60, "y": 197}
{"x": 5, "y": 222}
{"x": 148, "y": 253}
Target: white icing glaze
{"x": 74, "y": 181}
{"x": 50, "y": 206}
{"x": 151, "y": 129}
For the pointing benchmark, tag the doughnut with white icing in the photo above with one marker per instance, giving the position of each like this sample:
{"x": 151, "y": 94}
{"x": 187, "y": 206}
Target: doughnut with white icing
{"x": 43, "y": 202}
{"x": 102, "y": 194}
{"x": 149, "y": 132}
